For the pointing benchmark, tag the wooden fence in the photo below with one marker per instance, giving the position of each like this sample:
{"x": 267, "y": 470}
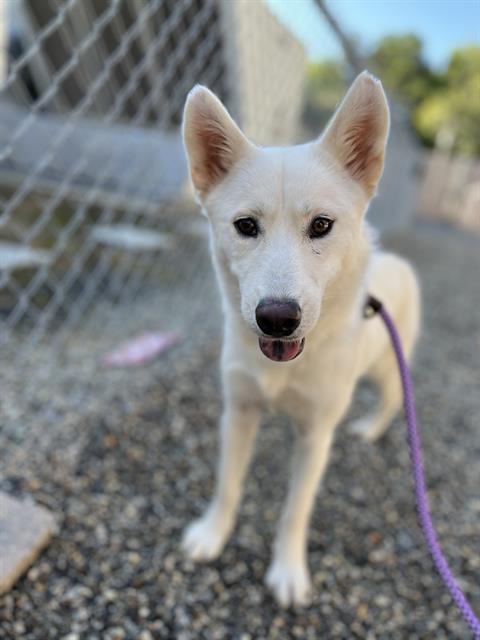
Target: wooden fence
{"x": 450, "y": 190}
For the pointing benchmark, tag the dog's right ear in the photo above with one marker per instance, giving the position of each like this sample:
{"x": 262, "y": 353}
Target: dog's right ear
{"x": 213, "y": 141}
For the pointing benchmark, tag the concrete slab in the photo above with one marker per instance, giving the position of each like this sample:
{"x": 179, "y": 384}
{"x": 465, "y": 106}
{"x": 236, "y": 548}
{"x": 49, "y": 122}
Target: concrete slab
{"x": 25, "y": 529}
{"x": 114, "y": 163}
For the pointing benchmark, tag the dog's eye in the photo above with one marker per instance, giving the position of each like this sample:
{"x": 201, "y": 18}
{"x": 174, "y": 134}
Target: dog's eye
{"x": 320, "y": 226}
{"x": 246, "y": 227}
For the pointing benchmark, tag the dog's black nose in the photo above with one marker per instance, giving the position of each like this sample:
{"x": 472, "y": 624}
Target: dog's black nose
{"x": 278, "y": 318}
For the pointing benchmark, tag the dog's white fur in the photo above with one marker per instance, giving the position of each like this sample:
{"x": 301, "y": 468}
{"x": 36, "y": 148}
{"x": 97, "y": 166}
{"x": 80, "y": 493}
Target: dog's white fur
{"x": 284, "y": 188}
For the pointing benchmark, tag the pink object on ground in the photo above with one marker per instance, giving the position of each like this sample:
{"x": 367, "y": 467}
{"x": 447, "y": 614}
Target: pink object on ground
{"x": 140, "y": 350}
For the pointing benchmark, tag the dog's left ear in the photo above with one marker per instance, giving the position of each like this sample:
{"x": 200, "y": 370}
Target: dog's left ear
{"x": 213, "y": 141}
{"x": 358, "y": 132}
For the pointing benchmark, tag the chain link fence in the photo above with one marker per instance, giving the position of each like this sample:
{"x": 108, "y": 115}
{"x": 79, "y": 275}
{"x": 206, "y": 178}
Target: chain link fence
{"x": 92, "y": 174}
{"x": 98, "y": 237}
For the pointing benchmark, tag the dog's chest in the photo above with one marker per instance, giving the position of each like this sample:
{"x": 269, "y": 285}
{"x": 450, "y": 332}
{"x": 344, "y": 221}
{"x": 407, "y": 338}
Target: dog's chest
{"x": 284, "y": 393}
{"x": 283, "y": 388}
{"x": 273, "y": 382}
{"x": 309, "y": 384}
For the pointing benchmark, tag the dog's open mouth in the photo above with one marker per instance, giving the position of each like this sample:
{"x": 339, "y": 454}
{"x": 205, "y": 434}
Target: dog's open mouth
{"x": 281, "y": 350}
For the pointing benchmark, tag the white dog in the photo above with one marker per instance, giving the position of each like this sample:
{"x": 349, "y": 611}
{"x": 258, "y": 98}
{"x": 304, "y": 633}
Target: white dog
{"x": 295, "y": 260}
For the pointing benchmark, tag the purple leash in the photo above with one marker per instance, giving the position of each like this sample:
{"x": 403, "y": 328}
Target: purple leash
{"x": 415, "y": 446}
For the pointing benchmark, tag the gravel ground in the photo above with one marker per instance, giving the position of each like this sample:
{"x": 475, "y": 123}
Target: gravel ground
{"x": 125, "y": 461}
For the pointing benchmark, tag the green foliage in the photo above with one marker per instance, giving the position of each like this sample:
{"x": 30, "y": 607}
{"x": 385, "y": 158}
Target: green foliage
{"x": 464, "y": 65}
{"x": 452, "y": 114}
{"x": 445, "y": 107}
{"x": 454, "y": 111}
{"x": 398, "y": 62}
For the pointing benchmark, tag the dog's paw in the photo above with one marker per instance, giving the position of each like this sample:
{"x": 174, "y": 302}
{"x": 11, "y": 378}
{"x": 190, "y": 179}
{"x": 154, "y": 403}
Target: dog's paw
{"x": 365, "y": 428}
{"x": 205, "y": 538}
{"x": 290, "y": 583}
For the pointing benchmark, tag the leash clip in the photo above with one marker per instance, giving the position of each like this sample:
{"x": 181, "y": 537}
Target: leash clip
{"x": 372, "y": 307}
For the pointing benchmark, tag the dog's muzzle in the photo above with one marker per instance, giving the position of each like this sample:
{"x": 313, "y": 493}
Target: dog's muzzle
{"x": 278, "y": 319}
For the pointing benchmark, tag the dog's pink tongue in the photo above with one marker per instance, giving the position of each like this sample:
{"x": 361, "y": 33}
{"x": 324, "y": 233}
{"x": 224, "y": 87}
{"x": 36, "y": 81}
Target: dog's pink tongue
{"x": 281, "y": 351}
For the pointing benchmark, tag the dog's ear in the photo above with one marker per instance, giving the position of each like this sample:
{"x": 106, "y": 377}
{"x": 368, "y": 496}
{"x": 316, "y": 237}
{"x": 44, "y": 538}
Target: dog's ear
{"x": 213, "y": 141}
{"x": 358, "y": 132}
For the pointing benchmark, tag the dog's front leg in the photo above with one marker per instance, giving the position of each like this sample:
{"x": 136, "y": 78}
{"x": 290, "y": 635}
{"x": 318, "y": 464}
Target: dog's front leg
{"x": 205, "y": 538}
{"x": 288, "y": 575}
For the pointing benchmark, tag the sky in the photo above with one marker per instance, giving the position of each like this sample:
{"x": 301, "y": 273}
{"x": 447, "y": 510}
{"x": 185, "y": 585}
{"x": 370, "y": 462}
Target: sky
{"x": 443, "y": 25}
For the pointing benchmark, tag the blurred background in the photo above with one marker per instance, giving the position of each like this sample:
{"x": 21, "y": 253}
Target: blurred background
{"x": 101, "y": 242}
